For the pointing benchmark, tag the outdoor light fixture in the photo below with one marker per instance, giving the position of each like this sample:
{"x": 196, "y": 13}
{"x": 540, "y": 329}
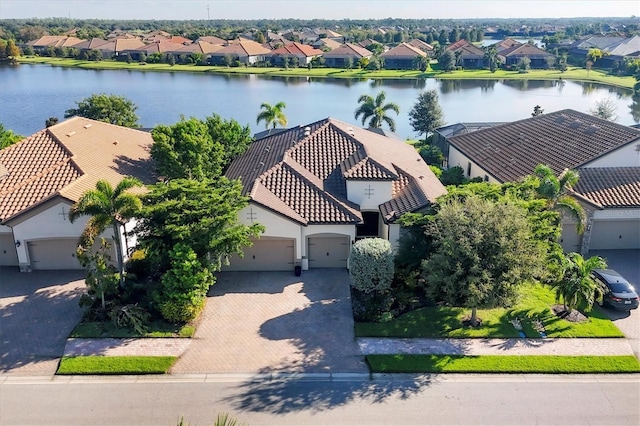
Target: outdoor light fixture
{"x": 17, "y": 243}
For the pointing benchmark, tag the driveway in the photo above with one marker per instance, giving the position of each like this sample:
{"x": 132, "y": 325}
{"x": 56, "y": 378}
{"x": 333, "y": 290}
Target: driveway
{"x": 38, "y": 310}
{"x": 271, "y": 322}
{"x": 627, "y": 263}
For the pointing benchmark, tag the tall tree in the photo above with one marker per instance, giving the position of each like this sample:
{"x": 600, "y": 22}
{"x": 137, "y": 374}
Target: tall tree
{"x": 108, "y": 207}
{"x": 483, "y": 251}
{"x": 375, "y": 110}
{"x": 234, "y": 138}
{"x": 426, "y": 114}
{"x": 272, "y": 115}
{"x": 447, "y": 60}
{"x": 556, "y": 190}
{"x": 577, "y": 286}
{"x": 51, "y": 121}
{"x": 12, "y": 50}
{"x": 112, "y": 109}
{"x": 202, "y": 214}
{"x": 7, "y": 137}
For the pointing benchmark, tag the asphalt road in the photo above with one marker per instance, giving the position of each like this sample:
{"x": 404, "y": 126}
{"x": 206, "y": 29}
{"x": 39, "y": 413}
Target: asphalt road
{"x": 452, "y": 399}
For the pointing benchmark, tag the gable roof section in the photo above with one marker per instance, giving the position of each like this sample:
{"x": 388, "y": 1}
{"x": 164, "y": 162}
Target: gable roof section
{"x": 610, "y": 187}
{"x": 561, "y": 139}
{"x": 68, "y": 159}
{"x": 528, "y": 50}
{"x": 403, "y": 50}
{"x": 424, "y": 46}
{"x": 212, "y": 40}
{"x": 297, "y": 49}
{"x": 301, "y": 173}
{"x": 348, "y": 50}
{"x": 507, "y": 43}
{"x": 242, "y": 49}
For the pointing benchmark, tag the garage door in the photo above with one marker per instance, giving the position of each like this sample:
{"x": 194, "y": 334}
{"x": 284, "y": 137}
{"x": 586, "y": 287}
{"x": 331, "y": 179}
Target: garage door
{"x": 615, "y": 234}
{"x": 266, "y": 254}
{"x": 54, "y": 254}
{"x": 8, "y": 255}
{"x": 328, "y": 252}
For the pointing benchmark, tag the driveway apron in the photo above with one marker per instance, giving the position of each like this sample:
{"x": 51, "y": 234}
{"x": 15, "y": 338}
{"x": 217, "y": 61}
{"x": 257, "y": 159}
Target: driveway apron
{"x": 38, "y": 310}
{"x": 275, "y": 322}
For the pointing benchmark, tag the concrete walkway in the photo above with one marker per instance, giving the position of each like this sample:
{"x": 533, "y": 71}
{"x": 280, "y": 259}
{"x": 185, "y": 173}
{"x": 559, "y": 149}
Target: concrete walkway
{"x": 565, "y": 346}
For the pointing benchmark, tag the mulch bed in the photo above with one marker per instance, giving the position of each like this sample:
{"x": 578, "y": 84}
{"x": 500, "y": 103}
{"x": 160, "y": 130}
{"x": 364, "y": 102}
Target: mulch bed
{"x": 573, "y": 316}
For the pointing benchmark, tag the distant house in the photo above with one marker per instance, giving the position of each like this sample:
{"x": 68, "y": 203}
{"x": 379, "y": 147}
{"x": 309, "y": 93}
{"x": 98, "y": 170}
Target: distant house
{"x": 212, "y": 40}
{"x": 301, "y": 54}
{"x": 246, "y": 52}
{"x": 505, "y": 44}
{"x": 64, "y": 161}
{"x": 605, "y": 154}
{"x": 43, "y": 43}
{"x": 91, "y": 44}
{"x": 467, "y": 55}
{"x": 402, "y": 57}
{"x": 425, "y": 47}
{"x": 318, "y": 188}
{"x": 339, "y": 58}
{"x": 539, "y": 58}
{"x": 199, "y": 47}
{"x": 122, "y": 45}
{"x": 326, "y": 44}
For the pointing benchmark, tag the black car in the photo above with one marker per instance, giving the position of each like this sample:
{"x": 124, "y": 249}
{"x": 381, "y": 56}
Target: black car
{"x": 618, "y": 293}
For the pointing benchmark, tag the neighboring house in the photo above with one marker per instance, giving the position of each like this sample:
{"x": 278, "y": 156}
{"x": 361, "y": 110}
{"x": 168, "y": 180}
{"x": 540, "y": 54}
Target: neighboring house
{"x": 246, "y": 52}
{"x": 42, "y": 176}
{"x": 425, "y": 47}
{"x": 539, "y": 58}
{"x": 467, "y": 55}
{"x": 326, "y": 44}
{"x": 339, "y": 58}
{"x": 200, "y": 47}
{"x": 303, "y": 54}
{"x": 151, "y": 49}
{"x": 212, "y": 40}
{"x": 442, "y": 134}
{"x": 43, "y": 43}
{"x": 91, "y": 44}
{"x": 320, "y": 187}
{"x": 402, "y": 57}
{"x": 122, "y": 45}
{"x": 605, "y": 154}
{"x": 505, "y": 44}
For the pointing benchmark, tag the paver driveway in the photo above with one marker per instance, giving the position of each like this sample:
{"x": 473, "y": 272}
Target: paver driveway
{"x": 38, "y": 310}
{"x": 272, "y": 322}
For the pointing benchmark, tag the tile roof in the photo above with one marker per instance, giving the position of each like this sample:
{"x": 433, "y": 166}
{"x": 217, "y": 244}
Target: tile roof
{"x": 202, "y": 47}
{"x": 122, "y": 44}
{"x": 426, "y": 47}
{"x": 507, "y": 43}
{"x": 68, "y": 159}
{"x": 329, "y": 43}
{"x": 403, "y": 50}
{"x": 528, "y": 50}
{"x": 561, "y": 139}
{"x": 348, "y": 50}
{"x": 610, "y": 187}
{"x": 242, "y": 49}
{"x": 297, "y": 49}
{"x": 212, "y": 40}
{"x": 301, "y": 172}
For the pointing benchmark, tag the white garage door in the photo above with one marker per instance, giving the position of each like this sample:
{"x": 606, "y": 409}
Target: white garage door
{"x": 328, "y": 252}
{"x": 615, "y": 234}
{"x": 266, "y": 254}
{"x": 8, "y": 255}
{"x": 54, "y": 254}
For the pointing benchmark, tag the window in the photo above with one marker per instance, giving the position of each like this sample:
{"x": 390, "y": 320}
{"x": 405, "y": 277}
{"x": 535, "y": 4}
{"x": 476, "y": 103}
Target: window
{"x": 469, "y": 169}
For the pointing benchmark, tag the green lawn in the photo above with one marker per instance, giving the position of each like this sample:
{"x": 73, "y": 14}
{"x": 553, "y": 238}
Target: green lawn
{"x": 107, "y": 329}
{"x": 536, "y": 300}
{"x": 502, "y": 364}
{"x": 116, "y": 364}
{"x": 573, "y": 73}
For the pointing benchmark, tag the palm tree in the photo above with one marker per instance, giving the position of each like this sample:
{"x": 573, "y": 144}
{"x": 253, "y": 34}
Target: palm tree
{"x": 577, "y": 285}
{"x": 107, "y": 207}
{"x": 376, "y": 110}
{"x": 556, "y": 190}
{"x": 272, "y": 115}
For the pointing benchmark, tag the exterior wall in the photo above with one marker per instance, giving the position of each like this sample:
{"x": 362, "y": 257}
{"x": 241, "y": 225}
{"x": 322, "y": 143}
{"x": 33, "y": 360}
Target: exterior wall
{"x": 625, "y": 156}
{"x": 456, "y": 158}
{"x": 369, "y": 194}
{"x": 394, "y": 235}
{"x": 396, "y": 63}
{"x": 275, "y": 225}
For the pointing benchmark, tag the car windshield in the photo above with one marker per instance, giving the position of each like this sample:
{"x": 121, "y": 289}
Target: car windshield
{"x": 620, "y": 287}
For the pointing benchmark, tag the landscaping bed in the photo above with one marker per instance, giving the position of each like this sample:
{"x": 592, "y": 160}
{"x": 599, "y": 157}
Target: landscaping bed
{"x": 530, "y": 364}
{"x": 95, "y": 329}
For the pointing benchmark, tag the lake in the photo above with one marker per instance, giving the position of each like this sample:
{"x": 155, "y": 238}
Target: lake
{"x": 29, "y": 94}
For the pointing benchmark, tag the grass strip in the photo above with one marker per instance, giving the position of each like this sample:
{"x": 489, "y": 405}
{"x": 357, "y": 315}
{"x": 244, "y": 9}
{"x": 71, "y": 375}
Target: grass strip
{"x": 573, "y": 73}
{"x": 115, "y": 365}
{"x": 95, "y": 329}
{"x": 551, "y": 364}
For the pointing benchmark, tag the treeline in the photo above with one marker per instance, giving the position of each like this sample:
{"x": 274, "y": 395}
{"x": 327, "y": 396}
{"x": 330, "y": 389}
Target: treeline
{"x": 24, "y": 30}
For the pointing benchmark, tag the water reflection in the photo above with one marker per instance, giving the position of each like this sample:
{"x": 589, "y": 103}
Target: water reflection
{"x": 634, "y": 107}
{"x": 451, "y": 86}
{"x": 525, "y": 85}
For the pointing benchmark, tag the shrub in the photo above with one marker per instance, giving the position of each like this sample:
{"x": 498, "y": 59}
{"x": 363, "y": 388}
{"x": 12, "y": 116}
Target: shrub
{"x": 139, "y": 265}
{"x": 452, "y": 176}
{"x": 184, "y": 286}
{"x": 371, "y": 265}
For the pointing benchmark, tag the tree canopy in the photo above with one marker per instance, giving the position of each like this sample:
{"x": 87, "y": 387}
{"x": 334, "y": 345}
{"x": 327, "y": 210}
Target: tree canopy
{"x": 7, "y": 137}
{"x": 483, "y": 251}
{"x": 272, "y": 115}
{"x": 576, "y": 286}
{"x": 112, "y": 109}
{"x": 556, "y": 191}
{"x": 375, "y": 110}
{"x": 426, "y": 114}
{"x": 604, "y": 108}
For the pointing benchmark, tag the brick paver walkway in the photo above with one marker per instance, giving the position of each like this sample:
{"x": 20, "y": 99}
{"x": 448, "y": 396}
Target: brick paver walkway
{"x": 127, "y": 347}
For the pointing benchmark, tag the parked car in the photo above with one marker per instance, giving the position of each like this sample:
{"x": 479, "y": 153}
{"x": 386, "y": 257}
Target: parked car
{"x": 618, "y": 293}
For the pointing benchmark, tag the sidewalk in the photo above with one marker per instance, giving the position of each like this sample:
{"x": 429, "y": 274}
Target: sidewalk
{"x": 479, "y": 346}
{"x": 126, "y": 347}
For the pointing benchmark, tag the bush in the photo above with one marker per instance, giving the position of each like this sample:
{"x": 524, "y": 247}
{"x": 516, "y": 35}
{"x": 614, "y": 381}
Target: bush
{"x": 371, "y": 265}
{"x": 452, "y": 176}
{"x": 139, "y": 265}
{"x": 373, "y": 307}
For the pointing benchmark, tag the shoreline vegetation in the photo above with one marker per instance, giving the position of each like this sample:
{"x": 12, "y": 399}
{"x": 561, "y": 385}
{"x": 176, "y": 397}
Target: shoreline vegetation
{"x": 572, "y": 73}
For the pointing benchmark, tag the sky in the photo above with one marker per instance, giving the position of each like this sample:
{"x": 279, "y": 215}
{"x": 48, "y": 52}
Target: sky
{"x": 308, "y": 9}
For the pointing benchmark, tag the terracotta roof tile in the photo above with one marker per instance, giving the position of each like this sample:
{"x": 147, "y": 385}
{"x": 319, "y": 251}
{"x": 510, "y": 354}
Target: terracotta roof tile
{"x": 301, "y": 172}
{"x": 403, "y": 50}
{"x": 68, "y": 159}
{"x": 348, "y": 50}
{"x": 610, "y": 186}
{"x": 297, "y": 49}
{"x": 563, "y": 139}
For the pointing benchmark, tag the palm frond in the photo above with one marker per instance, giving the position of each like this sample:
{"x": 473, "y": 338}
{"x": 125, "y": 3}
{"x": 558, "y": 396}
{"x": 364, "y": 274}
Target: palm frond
{"x": 573, "y": 209}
